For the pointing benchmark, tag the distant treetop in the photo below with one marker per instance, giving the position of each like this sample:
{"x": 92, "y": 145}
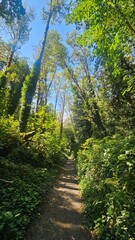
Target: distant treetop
{"x": 9, "y": 10}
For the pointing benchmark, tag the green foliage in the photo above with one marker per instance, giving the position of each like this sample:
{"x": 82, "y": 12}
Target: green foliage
{"x": 47, "y": 138}
{"x": 3, "y": 93}
{"x": 20, "y": 199}
{"x": 10, "y": 10}
{"x": 28, "y": 169}
{"x": 28, "y": 91}
{"x": 109, "y": 30}
{"x": 106, "y": 169}
{"x": 4, "y": 50}
{"x": 8, "y": 135}
{"x": 69, "y": 139}
{"x": 11, "y": 81}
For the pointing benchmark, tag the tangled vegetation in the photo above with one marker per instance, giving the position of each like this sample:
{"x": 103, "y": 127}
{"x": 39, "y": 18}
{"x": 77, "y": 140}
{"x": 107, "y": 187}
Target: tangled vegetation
{"x": 28, "y": 170}
{"x": 107, "y": 177}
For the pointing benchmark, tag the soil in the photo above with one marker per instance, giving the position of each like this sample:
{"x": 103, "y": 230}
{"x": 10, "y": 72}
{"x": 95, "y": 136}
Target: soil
{"x": 62, "y": 217}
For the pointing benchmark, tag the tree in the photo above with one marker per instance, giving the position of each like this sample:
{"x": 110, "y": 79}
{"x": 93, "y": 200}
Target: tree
{"x": 117, "y": 108}
{"x": 54, "y": 9}
{"x": 4, "y": 51}
{"x": 83, "y": 80}
{"x": 10, "y": 10}
{"x": 82, "y": 124}
{"x": 18, "y": 72}
{"x": 52, "y": 60}
{"x": 18, "y": 32}
{"x": 57, "y": 90}
{"x": 11, "y": 93}
{"x": 63, "y": 102}
{"x": 109, "y": 30}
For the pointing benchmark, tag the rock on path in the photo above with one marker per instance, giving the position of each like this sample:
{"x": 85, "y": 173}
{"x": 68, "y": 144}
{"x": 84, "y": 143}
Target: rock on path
{"x": 61, "y": 218}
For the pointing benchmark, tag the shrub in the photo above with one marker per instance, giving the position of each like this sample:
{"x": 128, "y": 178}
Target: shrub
{"x": 106, "y": 169}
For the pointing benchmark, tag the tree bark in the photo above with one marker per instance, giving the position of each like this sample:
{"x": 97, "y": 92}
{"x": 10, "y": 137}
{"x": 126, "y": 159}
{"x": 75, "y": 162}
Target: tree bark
{"x": 25, "y": 110}
{"x": 10, "y": 59}
{"x": 62, "y": 115}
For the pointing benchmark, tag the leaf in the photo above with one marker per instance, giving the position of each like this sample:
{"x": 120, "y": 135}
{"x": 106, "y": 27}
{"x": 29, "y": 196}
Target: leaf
{"x": 8, "y": 215}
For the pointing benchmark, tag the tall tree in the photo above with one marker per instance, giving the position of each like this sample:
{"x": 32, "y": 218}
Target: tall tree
{"x": 63, "y": 102}
{"x": 52, "y": 60}
{"x": 110, "y": 31}
{"x": 54, "y": 9}
{"x": 17, "y": 72}
{"x": 57, "y": 90}
{"x": 82, "y": 124}
{"x": 18, "y": 33}
{"x": 82, "y": 77}
{"x": 11, "y": 93}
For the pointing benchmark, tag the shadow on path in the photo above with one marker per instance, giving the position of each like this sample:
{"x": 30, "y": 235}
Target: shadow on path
{"x": 62, "y": 217}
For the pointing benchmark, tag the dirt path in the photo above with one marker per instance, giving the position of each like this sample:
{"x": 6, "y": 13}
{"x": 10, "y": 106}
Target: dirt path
{"x": 61, "y": 218}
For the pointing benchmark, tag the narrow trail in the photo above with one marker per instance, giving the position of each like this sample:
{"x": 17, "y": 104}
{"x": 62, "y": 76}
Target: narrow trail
{"x": 62, "y": 217}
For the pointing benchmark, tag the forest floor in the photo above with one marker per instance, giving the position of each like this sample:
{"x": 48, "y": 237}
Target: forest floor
{"x": 61, "y": 218}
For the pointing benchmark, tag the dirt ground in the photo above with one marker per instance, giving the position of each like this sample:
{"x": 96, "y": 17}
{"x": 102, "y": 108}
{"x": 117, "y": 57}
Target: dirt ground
{"x": 62, "y": 217}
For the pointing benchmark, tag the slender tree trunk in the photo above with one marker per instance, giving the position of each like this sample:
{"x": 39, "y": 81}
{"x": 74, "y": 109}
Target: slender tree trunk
{"x": 38, "y": 96}
{"x": 14, "y": 98}
{"x": 57, "y": 91}
{"x": 62, "y": 116}
{"x": 45, "y": 97}
{"x": 10, "y": 59}
{"x": 3, "y": 80}
{"x": 28, "y": 96}
{"x": 25, "y": 110}
{"x": 56, "y": 102}
{"x": 93, "y": 108}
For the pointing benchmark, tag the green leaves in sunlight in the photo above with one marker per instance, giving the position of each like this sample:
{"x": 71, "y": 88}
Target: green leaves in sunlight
{"x": 28, "y": 171}
{"x": 106, "y": 169}
{"x": 108, "y": 27}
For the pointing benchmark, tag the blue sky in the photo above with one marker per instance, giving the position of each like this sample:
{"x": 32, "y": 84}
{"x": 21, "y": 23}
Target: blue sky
{"x": 38, "y": 26}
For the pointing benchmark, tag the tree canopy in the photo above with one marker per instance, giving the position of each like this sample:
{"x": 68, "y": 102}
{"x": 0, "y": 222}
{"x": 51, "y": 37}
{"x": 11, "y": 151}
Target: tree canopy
{"x": 10, "y": 10}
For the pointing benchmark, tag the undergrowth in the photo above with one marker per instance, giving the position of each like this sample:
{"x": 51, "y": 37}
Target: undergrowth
{"x": 28, "y": 171}
{"x": 107, "y": 177}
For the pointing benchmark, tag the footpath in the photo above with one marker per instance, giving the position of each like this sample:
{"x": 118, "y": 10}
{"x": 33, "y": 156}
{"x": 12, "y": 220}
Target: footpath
{"x": 62, "y": 217}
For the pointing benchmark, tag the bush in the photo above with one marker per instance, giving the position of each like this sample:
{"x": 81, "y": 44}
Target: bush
{"x": 28, "y": 169}
{"x": 107, "y": 176}
{"x": 21, "y": 196}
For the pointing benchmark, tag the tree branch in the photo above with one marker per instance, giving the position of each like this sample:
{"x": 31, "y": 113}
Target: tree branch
{"x": 5, "y": 181}
{"x": 124, "y": 18}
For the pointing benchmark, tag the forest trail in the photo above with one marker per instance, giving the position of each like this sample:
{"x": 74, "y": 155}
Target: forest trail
{"x": 62, "y": 217}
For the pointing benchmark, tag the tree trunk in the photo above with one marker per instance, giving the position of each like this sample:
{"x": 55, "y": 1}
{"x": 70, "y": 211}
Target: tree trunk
{"x": 3, "y": 80}
{"x": 38, "y": 96}
{"x": 14, "y": 97}
{"x": 62, "y": 115}
{"x": 33, "y": 79}
{"x": 10, "y": 59}
{"x": 93, "y": 108}
{"x": 56, "y": 102}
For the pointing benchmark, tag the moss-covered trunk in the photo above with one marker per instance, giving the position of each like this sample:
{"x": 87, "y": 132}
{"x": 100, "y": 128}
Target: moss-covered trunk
{"x": 31, "y": 82}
